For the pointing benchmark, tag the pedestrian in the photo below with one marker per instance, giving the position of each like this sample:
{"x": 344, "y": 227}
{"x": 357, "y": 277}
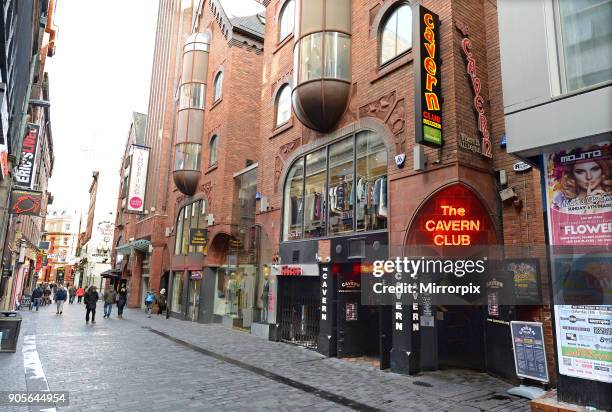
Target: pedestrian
{"x": 109, "y": 298}
{"x": 71, "y": 294}
{"x": 91, "y": 300}
{"x": 79, "y": 293}
{"x": 121, "y": 301}
{"x": 161, "y": 301}
{"x": 149, "y": 300}
{"x": 47, "y": 295}
{"x": 60, "y": 297}
{"x": 36, "y": 296}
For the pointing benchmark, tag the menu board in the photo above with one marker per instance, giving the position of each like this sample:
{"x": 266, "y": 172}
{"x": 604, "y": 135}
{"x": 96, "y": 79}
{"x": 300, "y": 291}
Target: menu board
{"x": 529, "y": 351}
{"x": 584, "y": 338}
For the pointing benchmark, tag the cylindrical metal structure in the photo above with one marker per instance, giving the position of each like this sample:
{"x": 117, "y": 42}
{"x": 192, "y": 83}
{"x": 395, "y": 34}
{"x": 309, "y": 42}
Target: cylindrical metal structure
{"x": 322, "y": 62}
{"x": 190, "y": 118}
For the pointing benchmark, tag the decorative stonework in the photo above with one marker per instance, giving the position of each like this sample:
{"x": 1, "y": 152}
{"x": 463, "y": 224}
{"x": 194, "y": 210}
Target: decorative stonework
{"x": 286, "y": 149}
{"x": 374, "y": 12}
{"x": 378, "y": 108}
{"x": 278, "y": 171}
{"x": 396, "y": 122}
{"x": 207, "y": 189}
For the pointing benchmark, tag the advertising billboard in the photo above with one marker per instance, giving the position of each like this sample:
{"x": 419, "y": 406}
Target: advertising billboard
{"x": 138, "y": 179}
{"x": 25, "y": 172}
{"x": 25, "y": 202}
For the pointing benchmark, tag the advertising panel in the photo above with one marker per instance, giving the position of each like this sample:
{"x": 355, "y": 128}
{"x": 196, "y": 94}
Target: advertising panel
{"x": 584, "y": 340}
{"x": 138, "y": 179}
{"x": 427, "y": 78}
{"x": 579, "y": 195}
{"x": 25, "y": 202}
{"x": 529, "y": 350}
{"x": 25, "y": 172}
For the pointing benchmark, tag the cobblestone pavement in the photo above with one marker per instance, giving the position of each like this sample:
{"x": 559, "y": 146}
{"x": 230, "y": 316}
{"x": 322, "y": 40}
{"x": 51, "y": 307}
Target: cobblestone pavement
{"x": 158, "y": 364}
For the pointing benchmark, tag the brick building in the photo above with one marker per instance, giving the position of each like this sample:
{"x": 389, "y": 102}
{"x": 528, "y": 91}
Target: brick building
{"x": 284, "y": 161}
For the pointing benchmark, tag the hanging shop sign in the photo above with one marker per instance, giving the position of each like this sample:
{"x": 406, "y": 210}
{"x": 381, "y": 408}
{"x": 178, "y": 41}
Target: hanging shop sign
{"x": 25, "y": 202}
{"x": 529, "y": 350}
{"x": 26, "y": 170}
{"x": 138, "y": 178}
{"x": 584, "y": 341}
{"x": 479, "y": 101}
{"x": 521, "y": 167}
{"x": 579, "y": 195}
{"x": 299, "y": 270}
{"x": 198, "y": 237}
{"x": 427, "y": 78}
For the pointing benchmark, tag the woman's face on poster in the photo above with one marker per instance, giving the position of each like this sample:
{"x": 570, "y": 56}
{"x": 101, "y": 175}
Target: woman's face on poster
{"x": 588, "y": 176}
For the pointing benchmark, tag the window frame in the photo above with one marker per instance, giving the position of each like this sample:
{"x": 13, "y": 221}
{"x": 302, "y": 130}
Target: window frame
{"x": 303, "y": 157}
{"x": 281, "y": 15}
{"x": 218, "y": 86}
{"x": 285, "y": 87}
{"x": 186, "y": 223}
{"x": 213, "y": 140}
{"x": 388, "y": 14}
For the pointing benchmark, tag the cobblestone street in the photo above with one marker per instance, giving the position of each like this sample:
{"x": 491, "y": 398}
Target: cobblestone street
{"x": 158, "y": 364}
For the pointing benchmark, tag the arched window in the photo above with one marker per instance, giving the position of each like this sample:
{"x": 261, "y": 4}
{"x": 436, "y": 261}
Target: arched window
{"x": 218, "y": 86}
{"x": 338, "y": 189}
{"x": 396, "y": 33}
{"x": 192, "y": 216}
{"x": 286, "y": 20}
{"x": 214, "y": 142}
{"x": 283, "y": 105}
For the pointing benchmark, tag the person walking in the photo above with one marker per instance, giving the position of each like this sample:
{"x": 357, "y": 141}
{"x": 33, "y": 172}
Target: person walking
{"x": 79, "y": 293}
{"x": 149, "y": 300}
{"x": 36, "y": 296}
{"x": 161, "y": 301}
{"x": 91, "y": 300}
{"x": 60, "y": 297}
{"x": 121, "y": 301}
{"x": 71, "y": 294}
{"x": 109, "y": 298}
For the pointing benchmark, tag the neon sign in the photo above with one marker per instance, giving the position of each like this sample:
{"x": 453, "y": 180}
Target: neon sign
{"x": 428, "y": 108}
{"x": 453, "y": 228}
{"x": 479, "y": 101}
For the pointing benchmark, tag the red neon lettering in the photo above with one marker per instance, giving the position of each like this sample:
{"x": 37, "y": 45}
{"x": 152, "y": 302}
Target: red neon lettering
{"x": 429, "y": 35}
{"x": 432, "y": 101}
{"x": 430, "y": 66}
{"x": 431, "y": 49}
{"x": 429, "y": 21}
{"x": 478, "y": 104}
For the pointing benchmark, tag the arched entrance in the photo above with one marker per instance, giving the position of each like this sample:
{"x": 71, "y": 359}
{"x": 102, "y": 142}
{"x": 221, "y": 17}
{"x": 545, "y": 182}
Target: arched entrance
{"x": 452, "y": 223}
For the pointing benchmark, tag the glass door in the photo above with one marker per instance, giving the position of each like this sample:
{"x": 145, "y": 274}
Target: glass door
{"x": 193, "y": 302}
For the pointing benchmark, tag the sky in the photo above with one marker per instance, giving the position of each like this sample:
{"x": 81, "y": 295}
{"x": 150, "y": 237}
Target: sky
{"x": 98, "y": 76}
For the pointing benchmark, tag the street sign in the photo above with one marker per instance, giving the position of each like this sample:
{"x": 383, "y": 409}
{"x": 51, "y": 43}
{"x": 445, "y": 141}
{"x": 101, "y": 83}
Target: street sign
{"x": 529, "y": 350}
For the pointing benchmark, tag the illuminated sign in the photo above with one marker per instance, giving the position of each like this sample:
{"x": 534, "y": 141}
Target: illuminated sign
{"x": 25, "y": 202}
{"x": 291, "y": 271}
{"x": 479, "y": 101}
{"x": 427, "y": 78}
{"x": 198, "y": 237}
{"x": 26, "y": 170}
{"x": 454, "y": 228}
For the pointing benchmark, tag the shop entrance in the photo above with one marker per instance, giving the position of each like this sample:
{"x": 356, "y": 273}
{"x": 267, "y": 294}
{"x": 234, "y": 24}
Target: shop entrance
{"x": 299, "y": 310}
{"x": 193, "y": 300}
{"x": 461, "y": 336}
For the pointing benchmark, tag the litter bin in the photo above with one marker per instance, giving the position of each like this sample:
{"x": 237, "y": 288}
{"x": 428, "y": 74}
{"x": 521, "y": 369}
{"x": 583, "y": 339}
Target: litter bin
{"x": 10, "y": 324}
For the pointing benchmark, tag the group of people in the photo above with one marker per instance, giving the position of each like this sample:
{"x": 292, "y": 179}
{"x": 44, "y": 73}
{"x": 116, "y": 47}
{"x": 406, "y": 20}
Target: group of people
{"x": 90, "y": 298}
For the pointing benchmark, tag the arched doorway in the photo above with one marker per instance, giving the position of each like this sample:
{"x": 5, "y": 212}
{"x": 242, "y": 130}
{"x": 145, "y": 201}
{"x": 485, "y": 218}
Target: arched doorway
{"x": 452, "y": 223}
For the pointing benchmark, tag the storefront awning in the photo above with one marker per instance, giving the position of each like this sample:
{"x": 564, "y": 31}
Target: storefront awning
{"x": 111, "y": 273}
{"x": 141, "y": 245}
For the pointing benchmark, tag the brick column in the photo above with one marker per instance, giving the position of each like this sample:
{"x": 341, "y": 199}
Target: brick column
{"x": 136, "y": 269}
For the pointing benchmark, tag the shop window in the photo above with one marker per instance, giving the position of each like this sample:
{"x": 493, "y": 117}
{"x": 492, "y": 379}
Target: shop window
{"x": 371, "y": 186}
{"x": 177, "y": 293}
{"x": 218, "y": 86}
{"x": 192, "y": 96}
{"x": 191, "y": 216}
{"x": 396, "y": 33}
{"x": 584, "y": 35}
{"x": 286, "y": 20}
{"x": 337, "y": 189}
{"x": 314, "y": 197}
{"x": 283, "y": 105}
{"x": 294, "y": 199}
{"x": 214, "y": 142}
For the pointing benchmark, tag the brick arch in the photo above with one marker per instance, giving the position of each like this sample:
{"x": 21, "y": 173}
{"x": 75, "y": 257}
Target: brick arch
{"x": 382, "y": 13}
{"x": 217, "y": 249}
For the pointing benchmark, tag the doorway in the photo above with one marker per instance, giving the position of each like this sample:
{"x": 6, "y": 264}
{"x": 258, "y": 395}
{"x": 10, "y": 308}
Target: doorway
{"x": 193, "y": 300}
{"x": 461, "y": 337}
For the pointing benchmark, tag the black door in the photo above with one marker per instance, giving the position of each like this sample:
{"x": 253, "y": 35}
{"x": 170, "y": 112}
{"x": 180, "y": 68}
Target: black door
{"x": 386, "y": 335}
{"x": 461, "y": 336}
{"x": 299, "y": 310}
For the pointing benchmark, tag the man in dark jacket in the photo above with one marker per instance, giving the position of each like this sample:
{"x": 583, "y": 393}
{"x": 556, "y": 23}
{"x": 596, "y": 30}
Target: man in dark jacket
{"x": 36, "y": 295}
{"x": 60, "y": 297}
{"x": 91, "y": 300}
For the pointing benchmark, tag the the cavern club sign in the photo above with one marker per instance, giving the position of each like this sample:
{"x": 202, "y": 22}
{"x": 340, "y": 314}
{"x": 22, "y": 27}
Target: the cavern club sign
{"x": 138, "y": 178}
{"x": 427, "y": 78}
{"x": 26, "y": 170}
{"x": 479, "y": 101}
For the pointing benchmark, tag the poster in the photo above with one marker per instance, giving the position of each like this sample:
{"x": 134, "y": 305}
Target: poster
{"x": 579, "y": 195}
{"x": 529, "y": 350}
{"x": 584, "y": 339}
{"x": 137, "y": 185}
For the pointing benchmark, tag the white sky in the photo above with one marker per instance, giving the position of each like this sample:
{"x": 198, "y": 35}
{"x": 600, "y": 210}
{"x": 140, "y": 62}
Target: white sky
{"x": 99, "y": 75}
